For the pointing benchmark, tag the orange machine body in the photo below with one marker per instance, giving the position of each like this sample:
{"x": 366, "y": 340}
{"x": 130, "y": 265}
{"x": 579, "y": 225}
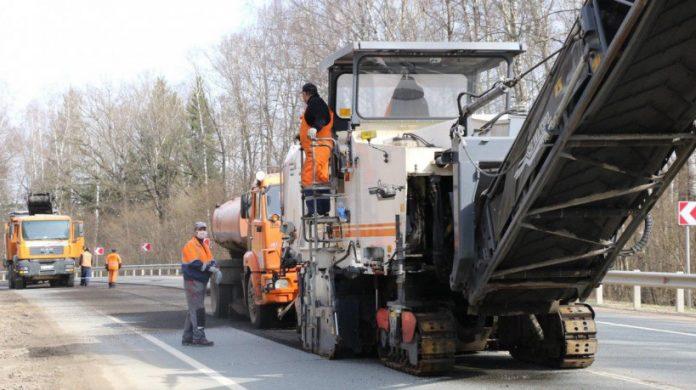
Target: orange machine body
{"x": 252, "y": 226}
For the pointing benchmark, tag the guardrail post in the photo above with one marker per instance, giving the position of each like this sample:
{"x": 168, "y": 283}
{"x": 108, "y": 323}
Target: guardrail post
{"x": 142, "y": 272}
{"x": 176, "y": 272}
{"x": 159, "y": 271}
{"x": 599, "y": 294}
{"x": 2, "y": 276}
{"x": 680, "y": 298}
{"x": 636, "y": 295}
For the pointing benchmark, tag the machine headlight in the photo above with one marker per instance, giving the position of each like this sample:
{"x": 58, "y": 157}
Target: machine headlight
{"x": 282, "y": 283}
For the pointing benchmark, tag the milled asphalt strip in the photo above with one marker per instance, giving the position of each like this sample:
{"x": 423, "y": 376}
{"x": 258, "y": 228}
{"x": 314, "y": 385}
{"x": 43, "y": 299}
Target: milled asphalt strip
{"x": 200, "y": 367}
{"x": 644, "y": 328}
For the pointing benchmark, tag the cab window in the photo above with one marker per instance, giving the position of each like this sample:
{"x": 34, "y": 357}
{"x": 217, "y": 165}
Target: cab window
{"x": 257, "y": 206}
{"x": 272, "y": 200}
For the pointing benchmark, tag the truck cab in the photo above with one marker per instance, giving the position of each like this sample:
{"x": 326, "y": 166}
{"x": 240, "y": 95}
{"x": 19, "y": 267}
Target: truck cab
{"x": 268, "y": 285}
{"x": 42, "y": 247}
{"x": 256, "y": 282}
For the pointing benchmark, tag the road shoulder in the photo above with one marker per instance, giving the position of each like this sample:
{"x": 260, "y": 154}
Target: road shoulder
{"x": 36, "y": 354}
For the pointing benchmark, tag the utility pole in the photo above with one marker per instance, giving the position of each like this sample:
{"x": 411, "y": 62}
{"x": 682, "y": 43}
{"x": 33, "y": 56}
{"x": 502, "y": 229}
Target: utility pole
{"x": 96, "y": 225}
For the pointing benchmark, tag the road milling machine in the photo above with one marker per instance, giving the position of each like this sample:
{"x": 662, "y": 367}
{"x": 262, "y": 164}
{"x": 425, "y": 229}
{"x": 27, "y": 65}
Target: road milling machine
{"x": 460, "y": 224}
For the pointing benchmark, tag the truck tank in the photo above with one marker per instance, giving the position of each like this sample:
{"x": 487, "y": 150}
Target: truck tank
{"x": 230, "y": 229}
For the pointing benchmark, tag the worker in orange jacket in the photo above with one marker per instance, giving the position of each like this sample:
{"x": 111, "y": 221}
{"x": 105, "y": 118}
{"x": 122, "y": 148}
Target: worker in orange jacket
{"x": 113, "y": 264}
{"x": 315, "y": 124}
{"x": 197, "y": 265}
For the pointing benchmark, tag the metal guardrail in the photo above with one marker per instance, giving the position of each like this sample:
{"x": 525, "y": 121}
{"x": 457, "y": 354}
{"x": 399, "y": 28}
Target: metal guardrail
{"x": 638, "y": 279}
{"x": 173, "y": 269}
{"x": 678, "y": 281}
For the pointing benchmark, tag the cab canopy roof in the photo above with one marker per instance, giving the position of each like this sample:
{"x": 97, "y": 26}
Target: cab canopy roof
{"x": 345, "y": 55}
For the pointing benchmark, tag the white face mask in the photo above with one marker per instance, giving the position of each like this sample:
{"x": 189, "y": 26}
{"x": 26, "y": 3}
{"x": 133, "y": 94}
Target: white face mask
{"x": 202, "y": 234}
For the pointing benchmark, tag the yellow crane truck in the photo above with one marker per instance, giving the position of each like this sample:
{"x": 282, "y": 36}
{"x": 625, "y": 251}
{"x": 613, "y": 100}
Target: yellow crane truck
{"x": 41, "y": 245}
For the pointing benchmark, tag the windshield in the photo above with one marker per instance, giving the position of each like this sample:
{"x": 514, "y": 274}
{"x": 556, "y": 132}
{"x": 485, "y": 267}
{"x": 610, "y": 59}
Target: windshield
{"x": 46, "y": 230}
{"x": 272, "y": 200}
{"x": 418, "y": 87}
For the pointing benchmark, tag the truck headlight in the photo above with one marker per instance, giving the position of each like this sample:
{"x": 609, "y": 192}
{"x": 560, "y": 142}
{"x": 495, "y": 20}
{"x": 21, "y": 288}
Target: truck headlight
{"x": 282, "y": 283}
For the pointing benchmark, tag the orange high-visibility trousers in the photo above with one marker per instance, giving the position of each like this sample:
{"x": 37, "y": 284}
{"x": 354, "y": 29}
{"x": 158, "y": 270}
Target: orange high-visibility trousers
{"x": 319, "y": 157}
{"x": 113, "y": 275}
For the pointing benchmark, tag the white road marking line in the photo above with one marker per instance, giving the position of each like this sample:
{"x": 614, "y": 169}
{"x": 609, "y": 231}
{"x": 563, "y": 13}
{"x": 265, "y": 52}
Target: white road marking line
{"x": 200, "y": 367}
{"x": 644, "y": 328}
{"x": 631, "y": 380}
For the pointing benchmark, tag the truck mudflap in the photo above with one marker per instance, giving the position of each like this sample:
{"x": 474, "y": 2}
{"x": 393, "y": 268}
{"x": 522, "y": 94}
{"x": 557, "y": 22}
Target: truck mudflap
{"x": 566, "y": 339}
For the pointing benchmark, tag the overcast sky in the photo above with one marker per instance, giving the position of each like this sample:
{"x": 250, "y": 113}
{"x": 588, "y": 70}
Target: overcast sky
{"x": 49, "y": 45}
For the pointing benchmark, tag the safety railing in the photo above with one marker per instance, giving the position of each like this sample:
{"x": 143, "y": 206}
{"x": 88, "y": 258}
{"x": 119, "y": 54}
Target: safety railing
{"x": 637, "y": 279}
{"x": 173, "y": 269}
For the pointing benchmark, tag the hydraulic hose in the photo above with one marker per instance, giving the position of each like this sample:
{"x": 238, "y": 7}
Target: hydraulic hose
{"x": 643, "y": 242}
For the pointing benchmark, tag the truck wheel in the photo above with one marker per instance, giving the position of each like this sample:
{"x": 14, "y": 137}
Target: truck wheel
{"x": 19, "y": 282}
{"x": 54, "y": 283}
{"x": 69, "y": 281}
{"x": 261, "y": 316}
{"x": 10, "y": 277}
{"x": 220, "y": 297}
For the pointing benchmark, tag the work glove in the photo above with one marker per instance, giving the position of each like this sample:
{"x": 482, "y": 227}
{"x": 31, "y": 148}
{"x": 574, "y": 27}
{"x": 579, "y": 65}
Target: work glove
{"x": 213, "y": 269}
{"x": 204, "y": 267}
{"x": 217, "y": 276}
{"x": 312, "y": 133}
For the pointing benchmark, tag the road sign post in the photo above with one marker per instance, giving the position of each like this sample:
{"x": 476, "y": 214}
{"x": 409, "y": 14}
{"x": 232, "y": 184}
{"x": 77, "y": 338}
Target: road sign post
{"x": 688, "y": 264}
{"x": 687, "y": 218}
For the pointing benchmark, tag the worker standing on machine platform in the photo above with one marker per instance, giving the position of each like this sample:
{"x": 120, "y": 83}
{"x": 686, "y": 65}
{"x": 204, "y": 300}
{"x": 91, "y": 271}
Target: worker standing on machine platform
{"x": 316, "y": 123}
{"x": 85, "y": 267}
{"x": 197, "y": 265}
{"x": 113, "y": 264}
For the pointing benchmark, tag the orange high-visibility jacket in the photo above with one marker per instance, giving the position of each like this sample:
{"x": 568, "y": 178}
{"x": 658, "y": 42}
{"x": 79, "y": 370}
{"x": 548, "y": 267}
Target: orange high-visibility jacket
{"x": 113, "y": 261}
{"x": 322, "y": 151}
{"x": 196, "y": 258}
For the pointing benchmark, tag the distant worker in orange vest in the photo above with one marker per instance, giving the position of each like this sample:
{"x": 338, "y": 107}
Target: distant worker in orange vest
{"x": 113, "y": 264}
{"x": 316, "y": 124}
{"x": 85, "y": 267}
{"x": 197, "y": 265}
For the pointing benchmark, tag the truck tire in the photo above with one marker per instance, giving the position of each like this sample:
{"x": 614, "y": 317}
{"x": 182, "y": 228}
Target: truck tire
{"x": 10, "y": 278}
{"x": 260, "y": 316}
{"x": 54, "y": 283}
{"x": 220, "y": 299}
{"x": 19, "y": 282}
{"x": 69, "y": 281}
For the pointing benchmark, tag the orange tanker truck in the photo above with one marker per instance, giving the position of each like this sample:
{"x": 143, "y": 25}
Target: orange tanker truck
{"x": 255, "y": 281}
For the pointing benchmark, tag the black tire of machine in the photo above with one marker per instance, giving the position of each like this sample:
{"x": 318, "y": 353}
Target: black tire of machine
{"x": 260, "y": 316}
{"x": 69, "y": 280}
{"x": 220, "y": 298}
{"x": 19, "y": 282}
{"x": 10, "y": 277}
{"x": 223, "y": 294}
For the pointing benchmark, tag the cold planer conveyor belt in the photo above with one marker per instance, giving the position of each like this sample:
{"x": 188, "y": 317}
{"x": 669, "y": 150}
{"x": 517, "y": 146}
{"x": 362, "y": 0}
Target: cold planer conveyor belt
{"x": 611, "y": 128}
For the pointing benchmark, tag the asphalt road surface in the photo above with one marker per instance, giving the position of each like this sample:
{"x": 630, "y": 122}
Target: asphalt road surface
{"x": 133, "y": 335}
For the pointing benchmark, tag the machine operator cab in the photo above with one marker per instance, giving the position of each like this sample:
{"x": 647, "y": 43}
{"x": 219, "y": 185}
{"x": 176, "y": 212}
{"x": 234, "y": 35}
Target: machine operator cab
{"x": 394, "y": 104}
{"x": 397, "y": 87}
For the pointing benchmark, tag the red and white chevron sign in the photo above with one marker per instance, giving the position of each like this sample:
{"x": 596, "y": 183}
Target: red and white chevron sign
{"x": 687, "y": 213}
